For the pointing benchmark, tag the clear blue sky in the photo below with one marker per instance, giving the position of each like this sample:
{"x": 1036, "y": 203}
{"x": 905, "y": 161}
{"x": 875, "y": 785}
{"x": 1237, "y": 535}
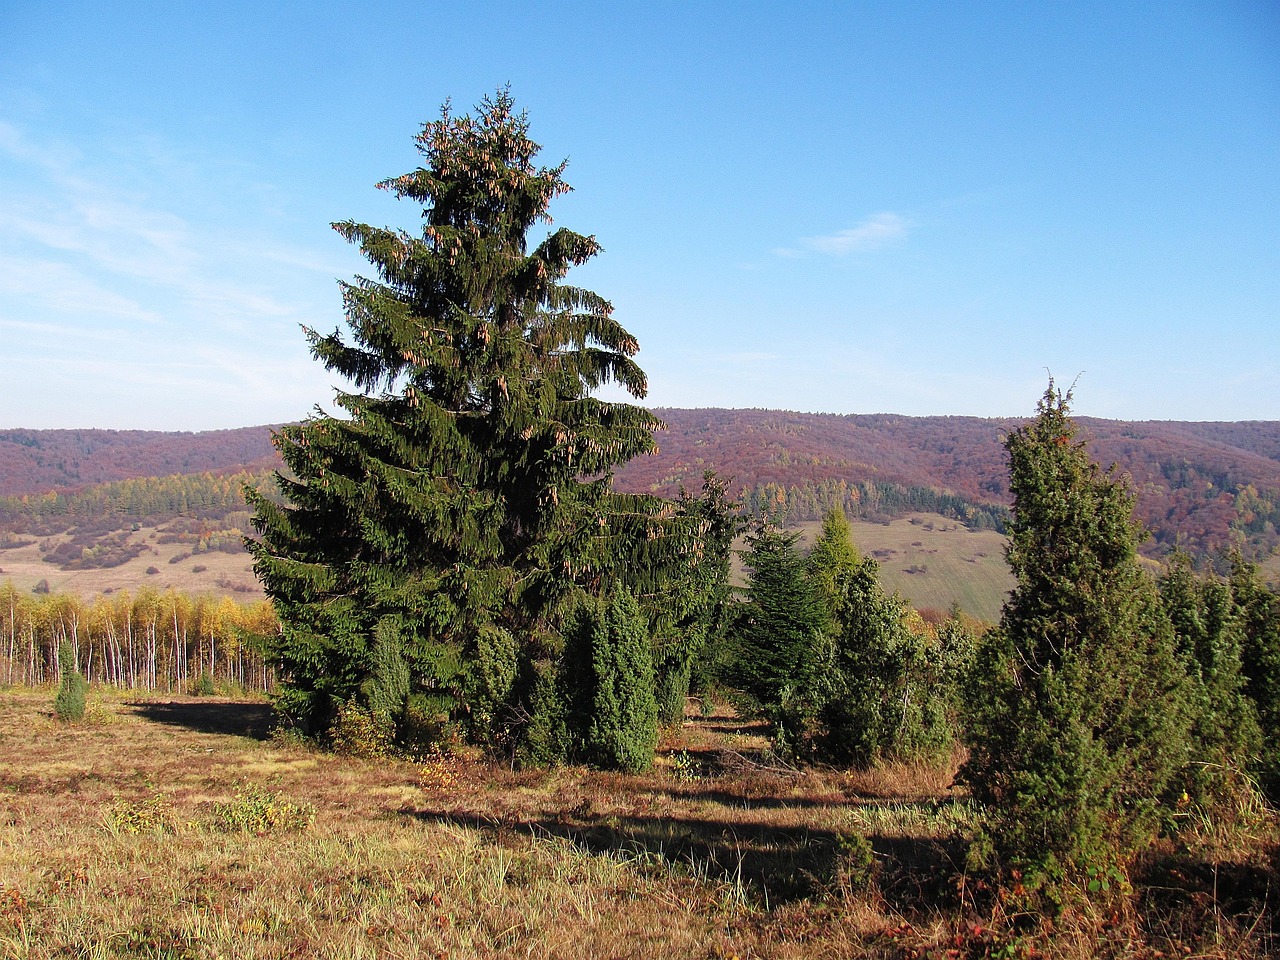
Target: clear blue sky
{"x": 896, "y": 207}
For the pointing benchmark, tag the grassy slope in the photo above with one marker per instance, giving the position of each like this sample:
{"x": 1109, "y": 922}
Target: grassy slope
{"x": 951, "y": 563}
{"x": 225, "y": 573}
{"x": 461, "y": 858}
{"x": 959, "y": 566}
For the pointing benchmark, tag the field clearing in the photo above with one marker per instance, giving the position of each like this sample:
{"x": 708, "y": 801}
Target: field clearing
{"x": 933, "y": 561}
{"x": 211, "y": 572}
{"x": 180, "y": 827}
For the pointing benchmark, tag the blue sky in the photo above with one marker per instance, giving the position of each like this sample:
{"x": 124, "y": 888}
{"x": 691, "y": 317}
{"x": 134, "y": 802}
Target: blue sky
{"x": 908, "y": 207}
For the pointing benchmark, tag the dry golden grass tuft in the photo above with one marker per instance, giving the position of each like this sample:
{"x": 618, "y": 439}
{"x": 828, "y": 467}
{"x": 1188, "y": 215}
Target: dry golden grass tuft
{"x": 180, "y": 828}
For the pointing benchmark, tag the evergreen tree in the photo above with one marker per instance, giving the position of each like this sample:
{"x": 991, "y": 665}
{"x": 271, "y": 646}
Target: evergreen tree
{"x": 462, "y": 497}
{"x": 882, "y": 692}
{"x": 693, "y": 611}
{"x": 621, "y": 728}
{"x": 1078, "y": 722}
{"x": 833, "y": 558}
{"x": 1259, "y": 611}
{"x": 1210, "y": 636}
{"x": 779, "y": 636}
{"x": 68, "y": 705}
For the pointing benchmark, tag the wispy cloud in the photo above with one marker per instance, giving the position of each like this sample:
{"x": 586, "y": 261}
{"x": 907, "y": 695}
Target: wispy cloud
{"x": 56, "y": 287}
{"x": 876, "y": 231}
{"x": 122, "y": 274}
{"x": 74, "y": 238}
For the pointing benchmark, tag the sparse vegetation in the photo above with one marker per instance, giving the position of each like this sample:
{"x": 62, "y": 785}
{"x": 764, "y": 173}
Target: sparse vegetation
{"x": 256, "y": 847}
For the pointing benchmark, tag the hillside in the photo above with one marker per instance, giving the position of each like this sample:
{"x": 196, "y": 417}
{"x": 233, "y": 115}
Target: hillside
{"x": 1204, "y": 486}
{"x": 38, "y": 461}
{"x": 1198, "y": 484}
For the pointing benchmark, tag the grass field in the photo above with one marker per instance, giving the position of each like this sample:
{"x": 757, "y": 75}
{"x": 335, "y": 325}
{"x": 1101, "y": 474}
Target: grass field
{"x": 933, "y": 562}
{"x": 181, "y": 828}
{"x": 930, "y": 560}
{"x": 213, "y": 572}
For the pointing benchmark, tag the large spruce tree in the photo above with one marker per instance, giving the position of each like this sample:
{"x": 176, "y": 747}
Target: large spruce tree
{"x": 431, "y": 531}
{"x": 1079, "y": 714}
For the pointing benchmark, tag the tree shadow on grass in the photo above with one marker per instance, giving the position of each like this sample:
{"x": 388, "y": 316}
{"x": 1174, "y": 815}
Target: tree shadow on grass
{"x": 771, "y": 865}
{"x": 1183, "y": 895}
{"x": 253, "y": 720}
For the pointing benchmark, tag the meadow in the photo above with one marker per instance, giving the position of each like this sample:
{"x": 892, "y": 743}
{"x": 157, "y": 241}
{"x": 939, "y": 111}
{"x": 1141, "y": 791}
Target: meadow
{"x": 176, "y": 568}
{"x": 933, "y": 562}
{"x": 184, "y": 827}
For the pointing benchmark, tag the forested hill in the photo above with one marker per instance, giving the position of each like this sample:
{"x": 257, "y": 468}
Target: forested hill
{"x": 1201, "y": 484}
{"x": 39, "y": 461}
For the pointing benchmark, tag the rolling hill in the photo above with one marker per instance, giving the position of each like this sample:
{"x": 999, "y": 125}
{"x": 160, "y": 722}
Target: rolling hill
{"x": 1201, "y": 486}
{"x": 39, "y": 461}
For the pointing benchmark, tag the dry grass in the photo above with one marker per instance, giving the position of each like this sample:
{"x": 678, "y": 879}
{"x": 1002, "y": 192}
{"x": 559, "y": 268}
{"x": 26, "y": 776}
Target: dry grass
{"x": 223, "y": 574}
{"x": 934, "y": 561}
{"x": 126, "y": 836}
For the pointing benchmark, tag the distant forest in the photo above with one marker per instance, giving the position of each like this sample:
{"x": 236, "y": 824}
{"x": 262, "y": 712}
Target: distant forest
{"x": 1203, "y": 486}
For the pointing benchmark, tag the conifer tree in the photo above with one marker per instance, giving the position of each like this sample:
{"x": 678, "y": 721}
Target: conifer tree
{"x": 69, "y": 704}
{"x": 693, "y": 611}
{"x": 1078, "y": 719}
{"x": 622, "y": 729}
{"x": 462, "y": 496}
{"x": 882, "y": 690}
{"x": 833, "y": 558}
{"x": 1258, "y": 608}
{"x": 1210, "y": 636}
{"x": 779, "y": 636}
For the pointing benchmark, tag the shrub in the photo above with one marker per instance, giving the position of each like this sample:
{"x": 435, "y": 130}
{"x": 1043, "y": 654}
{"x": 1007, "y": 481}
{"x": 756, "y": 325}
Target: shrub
{"x": 544, "y": 737}
{"x": 204, "y": 685}
{"x": 360, "y": 731}
{"x": 493, "y": 666}
{"x": 623, "y": 730}
{"x": 1224, "y": 731}
{"x": 254, "y": 809}
{"x": 606, "y": 688}
{"x": 1258, "y": 608}
{"x": 152, "y": 815}
{"x": 882, "y": 695}
{"x": 855, "y": 865}
{"x": 387, "y": 688}
{"x": 68, "y": 705}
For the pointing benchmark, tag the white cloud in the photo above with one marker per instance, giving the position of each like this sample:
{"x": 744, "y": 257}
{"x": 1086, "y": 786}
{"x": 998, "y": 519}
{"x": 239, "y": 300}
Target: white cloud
{"x": 876, "y": 231}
